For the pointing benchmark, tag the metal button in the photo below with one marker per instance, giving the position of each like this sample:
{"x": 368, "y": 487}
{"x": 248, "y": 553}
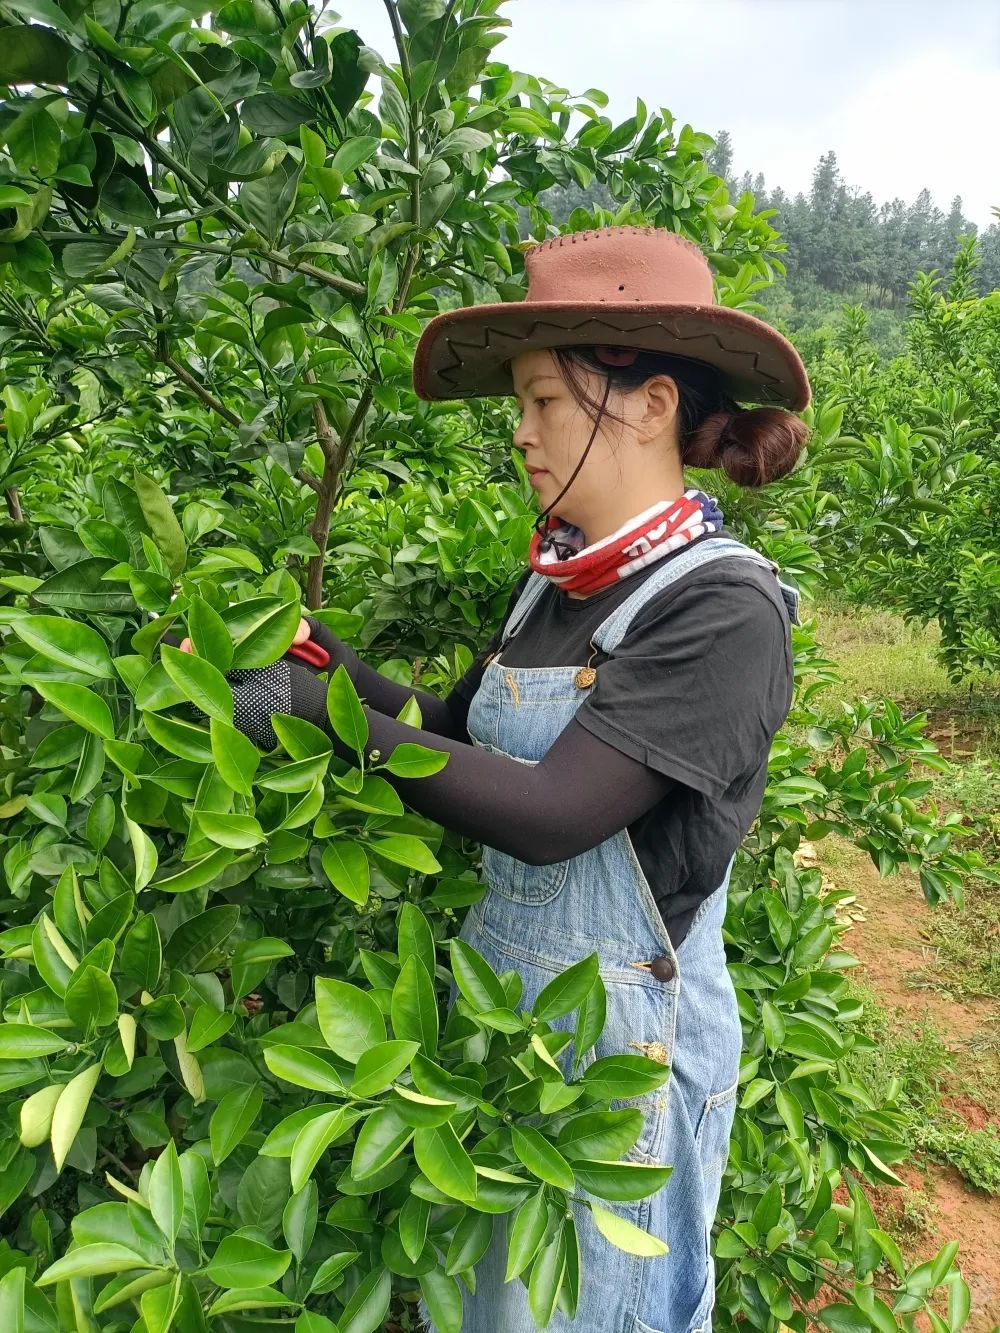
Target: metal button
{"x": 662, "y": 968}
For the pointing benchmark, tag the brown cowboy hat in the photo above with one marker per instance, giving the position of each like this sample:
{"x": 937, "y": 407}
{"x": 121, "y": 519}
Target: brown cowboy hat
{"x": 625, "y": 286}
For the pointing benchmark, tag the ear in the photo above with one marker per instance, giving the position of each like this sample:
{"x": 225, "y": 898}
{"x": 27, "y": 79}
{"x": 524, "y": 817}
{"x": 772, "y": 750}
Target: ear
{"x": 660, "y": 410}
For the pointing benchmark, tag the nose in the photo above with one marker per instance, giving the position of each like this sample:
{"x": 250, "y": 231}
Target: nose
{"x": 524, "y": 435}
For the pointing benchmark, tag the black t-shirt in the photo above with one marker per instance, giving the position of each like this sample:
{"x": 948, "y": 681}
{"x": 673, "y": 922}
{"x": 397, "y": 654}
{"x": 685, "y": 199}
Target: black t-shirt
{"x": 697, "y": 689}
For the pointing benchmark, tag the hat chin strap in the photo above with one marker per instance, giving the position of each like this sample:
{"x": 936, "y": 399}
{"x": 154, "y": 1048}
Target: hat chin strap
{"x": 542, "y": 518}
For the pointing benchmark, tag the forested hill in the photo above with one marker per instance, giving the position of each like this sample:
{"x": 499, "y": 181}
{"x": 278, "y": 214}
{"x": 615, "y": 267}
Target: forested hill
{"x": 840, "y": 239}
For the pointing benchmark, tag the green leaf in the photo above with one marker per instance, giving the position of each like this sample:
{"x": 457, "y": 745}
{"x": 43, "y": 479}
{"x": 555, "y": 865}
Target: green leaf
{"x": 379, "y": 1065}
{"x": 444, "y": 1161}
{"x": 415, "y": 761}
{"x": 845, "y": 1319}
{"x": 413, "y": 1008}
{"x": 281, "y": 1140}
{"x": 91, "y": 998}
{"x": 92, "y": 1261}
{"x": 36, "y": 1116}
{"x": 303, "y": 1068}
{"x": 33, "y": 54}
{"x": 615, "y": 1076}
{"x": 234, "y": 831}
{"x": 208, "y": 1025}
{"x": 12, "y": 1300}
{"x": 209, "y": 634}
{"x": 22, "y": 1041}
{"x": 180, "y": 738}
{"x": 566, "y": 991}
{"x": 144, "y": 853}
{"x": 300, "y": 739}
{"x": 241, "y": 1262}
{"x": 82, "y": 587}
{"x": 269, "y": 638}
{"x": 380, "y": 1140}
{"x": 408, "y": 851}
{"x": 626, "y": 1235}
{"x": 297, "y": 777}
{"x": 267, "y": 202}
{"x": 205, "y": 686}
{"x": 600, "y": 1135}
{"x": 475, "y": 978}
{"x": 68, "y": 643}
{"x": 312, "y": 1142}
{"x": 624, "y": 1182}
{"x": 353, "y": 152}
{"x": 165, "y": 1193}
{"x": 250, "y": 1298}
{"x": 142, "y": 955}
{"x": 369, "y": 1303}
{"x": 541, "y": 1157}
{"x": 527, "y": 1234}
{"x": 546, "y": 1279}
{"x": 33, "y": 142}
{"x": 298, "y": 1221}
{"x": 70, "y": 1110}
{"x": 232, "y": 1119}
{"x": 193, "y": 944}
{"x": 162, "y": 520}
{"x": 349, "y": 1019}
{"x": 443, "y": 1295}
{"x": 347, "y": 716}
{"x": 347, "y": 83}
{"x": 236, "y": 756}
{"x": 345, "y": 865}
{"x": 80, "y": 705}
{"x": 159, "y": 1305}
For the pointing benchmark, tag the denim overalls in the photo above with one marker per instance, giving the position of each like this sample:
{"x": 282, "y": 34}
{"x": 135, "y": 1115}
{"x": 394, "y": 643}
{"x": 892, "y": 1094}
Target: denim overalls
{"x": 678, "y": 1007}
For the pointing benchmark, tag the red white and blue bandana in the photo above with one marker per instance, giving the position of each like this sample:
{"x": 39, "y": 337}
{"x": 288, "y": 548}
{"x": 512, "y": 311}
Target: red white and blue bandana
{"x": 560, "y": 554}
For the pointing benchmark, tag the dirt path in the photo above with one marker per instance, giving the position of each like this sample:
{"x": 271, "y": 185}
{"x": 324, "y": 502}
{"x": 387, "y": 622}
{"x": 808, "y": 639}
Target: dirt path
{"x": 891, "y": 940}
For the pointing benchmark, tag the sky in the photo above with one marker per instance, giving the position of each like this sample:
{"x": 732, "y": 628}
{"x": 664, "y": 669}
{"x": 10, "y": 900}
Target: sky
{"x": 905, "y": 92}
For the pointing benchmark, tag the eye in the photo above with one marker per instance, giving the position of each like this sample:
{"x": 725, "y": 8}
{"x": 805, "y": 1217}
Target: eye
{"x": 543, "y": 401}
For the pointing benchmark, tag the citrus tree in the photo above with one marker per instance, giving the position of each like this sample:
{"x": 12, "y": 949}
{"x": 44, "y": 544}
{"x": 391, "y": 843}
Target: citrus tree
{"x": 248, "y": 1072}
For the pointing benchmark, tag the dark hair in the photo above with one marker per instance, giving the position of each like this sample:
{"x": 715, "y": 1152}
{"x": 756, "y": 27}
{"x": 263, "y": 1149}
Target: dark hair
{"x": 753, "y": 446}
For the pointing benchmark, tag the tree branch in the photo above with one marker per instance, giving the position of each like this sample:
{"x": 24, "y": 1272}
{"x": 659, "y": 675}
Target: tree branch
{"x": 199, "y": 390}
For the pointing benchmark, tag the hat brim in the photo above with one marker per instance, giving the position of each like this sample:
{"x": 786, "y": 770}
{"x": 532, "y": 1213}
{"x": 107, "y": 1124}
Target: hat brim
{"x": 466, "y": 353}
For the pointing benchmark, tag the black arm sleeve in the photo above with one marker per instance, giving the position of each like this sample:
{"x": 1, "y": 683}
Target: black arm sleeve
{"x": 538, "y": 813}
{"x": 442, "y": 717}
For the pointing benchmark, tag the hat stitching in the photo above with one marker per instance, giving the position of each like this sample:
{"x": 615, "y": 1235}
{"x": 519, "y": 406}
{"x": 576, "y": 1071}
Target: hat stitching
{"x": 447, "y": 372}
{"x": 598, "y": 232}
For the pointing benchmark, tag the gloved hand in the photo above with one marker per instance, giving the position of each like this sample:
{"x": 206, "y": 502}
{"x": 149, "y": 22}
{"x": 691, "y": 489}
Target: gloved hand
{"x": 290, "y": 685}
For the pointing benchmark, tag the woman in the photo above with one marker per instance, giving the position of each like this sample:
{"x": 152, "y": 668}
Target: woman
{"x": 622, "y": 716}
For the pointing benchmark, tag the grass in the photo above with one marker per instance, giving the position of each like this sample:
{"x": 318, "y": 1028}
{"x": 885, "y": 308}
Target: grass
{"x": 917, "y": 1054}
{"x": 879, "y": 655}
{"x": 966, "y": 942}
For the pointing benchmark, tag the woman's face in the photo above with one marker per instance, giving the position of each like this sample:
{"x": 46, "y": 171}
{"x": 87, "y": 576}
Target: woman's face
{"x": 554, "y": 431}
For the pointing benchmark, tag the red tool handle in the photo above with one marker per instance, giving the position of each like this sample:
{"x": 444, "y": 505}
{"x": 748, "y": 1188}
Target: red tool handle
{"x": 310, "y": 652}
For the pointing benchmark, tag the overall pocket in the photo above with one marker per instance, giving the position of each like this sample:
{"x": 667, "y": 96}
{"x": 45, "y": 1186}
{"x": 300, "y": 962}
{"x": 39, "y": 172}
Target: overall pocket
{"x": 641, "y": 1020}
{"x": 521, "y": 882}
{"x": 715, "y": 1126}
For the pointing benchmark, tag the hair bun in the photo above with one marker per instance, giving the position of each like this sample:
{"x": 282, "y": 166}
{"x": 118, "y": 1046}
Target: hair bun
{"x": 753, "y": 446}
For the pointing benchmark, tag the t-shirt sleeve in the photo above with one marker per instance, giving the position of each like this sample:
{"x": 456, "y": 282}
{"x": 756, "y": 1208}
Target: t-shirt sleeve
{"x": 466, "y": 687}
{"x": 698, "y": 690}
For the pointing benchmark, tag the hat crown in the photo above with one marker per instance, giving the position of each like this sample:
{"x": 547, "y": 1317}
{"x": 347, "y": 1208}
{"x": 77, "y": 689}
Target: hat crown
{"x": 619, "y": 266}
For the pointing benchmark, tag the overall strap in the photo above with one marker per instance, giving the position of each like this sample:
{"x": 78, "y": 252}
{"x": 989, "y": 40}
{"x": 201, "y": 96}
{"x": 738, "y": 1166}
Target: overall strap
{"x": 530, "y": 593}
{"x": 610, "y": 633}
